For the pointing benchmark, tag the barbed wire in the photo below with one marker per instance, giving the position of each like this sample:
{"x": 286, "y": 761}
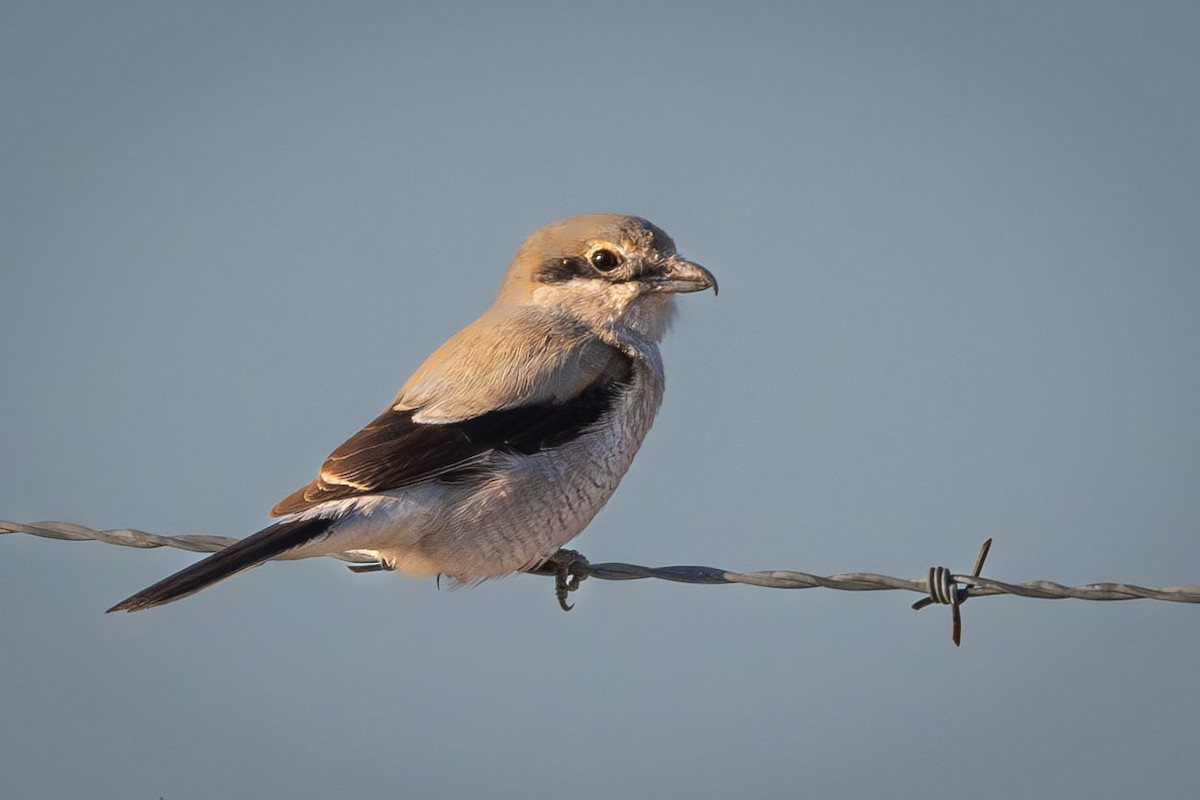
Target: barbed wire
{"x": 131, "y": 537}
{"x": 940, "y": 585}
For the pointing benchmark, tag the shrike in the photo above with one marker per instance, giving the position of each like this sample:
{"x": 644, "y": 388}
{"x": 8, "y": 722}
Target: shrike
{"x": 509, "y": 439}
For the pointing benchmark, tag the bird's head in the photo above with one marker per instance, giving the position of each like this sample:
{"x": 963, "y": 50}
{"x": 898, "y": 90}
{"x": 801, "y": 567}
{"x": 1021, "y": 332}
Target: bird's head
{"x": 607, "y": 270}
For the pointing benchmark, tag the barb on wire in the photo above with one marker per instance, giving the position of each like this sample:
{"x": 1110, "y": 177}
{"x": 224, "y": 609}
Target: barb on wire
{"x": 570, "y": 569}
{"x": 943, "y": 588}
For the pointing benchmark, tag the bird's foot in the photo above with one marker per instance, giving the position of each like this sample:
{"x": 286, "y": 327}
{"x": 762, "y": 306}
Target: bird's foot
{"x": 569, "y": 569}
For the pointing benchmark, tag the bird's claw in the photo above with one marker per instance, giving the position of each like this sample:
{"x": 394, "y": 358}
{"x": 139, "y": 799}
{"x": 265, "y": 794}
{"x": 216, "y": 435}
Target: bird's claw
{"x": 569, "y": 569}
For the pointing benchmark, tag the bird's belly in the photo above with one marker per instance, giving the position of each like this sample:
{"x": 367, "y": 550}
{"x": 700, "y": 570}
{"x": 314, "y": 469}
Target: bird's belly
{"x": 522, "y": 510}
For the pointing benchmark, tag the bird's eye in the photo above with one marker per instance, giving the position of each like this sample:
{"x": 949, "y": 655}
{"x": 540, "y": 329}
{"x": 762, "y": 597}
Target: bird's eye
{"x": 605, "y": 260}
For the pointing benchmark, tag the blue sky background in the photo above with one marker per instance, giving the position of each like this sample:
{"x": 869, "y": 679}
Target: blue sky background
{"x": 958, "y": 253}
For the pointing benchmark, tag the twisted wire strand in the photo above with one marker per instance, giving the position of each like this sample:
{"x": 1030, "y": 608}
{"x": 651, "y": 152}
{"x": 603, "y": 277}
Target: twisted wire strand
{"x": 976, "y": 586}
{"x": 131, "y": 537}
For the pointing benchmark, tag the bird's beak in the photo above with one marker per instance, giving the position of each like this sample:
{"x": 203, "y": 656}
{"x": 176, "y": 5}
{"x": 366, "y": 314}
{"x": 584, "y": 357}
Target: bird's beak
{"x": 678, "y": 275}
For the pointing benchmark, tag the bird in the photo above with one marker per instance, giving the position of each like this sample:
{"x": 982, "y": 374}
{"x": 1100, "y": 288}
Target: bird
{"x": 510, "y": 437}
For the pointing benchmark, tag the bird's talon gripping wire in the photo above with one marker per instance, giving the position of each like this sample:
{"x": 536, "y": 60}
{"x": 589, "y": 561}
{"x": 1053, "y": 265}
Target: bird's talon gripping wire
{"x": 569, "y": 569}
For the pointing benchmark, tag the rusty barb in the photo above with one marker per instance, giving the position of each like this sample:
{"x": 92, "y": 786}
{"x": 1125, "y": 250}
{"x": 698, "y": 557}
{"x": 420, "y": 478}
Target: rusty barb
{"x": 944, "y": 590}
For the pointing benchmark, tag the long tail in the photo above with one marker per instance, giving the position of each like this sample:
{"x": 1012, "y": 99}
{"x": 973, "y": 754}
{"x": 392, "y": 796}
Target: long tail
{"x": 239, "y": 556}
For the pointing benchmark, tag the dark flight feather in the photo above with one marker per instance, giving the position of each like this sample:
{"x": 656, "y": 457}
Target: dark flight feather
{"x": 241, "y": 555}
{"x": 395, "y": 451}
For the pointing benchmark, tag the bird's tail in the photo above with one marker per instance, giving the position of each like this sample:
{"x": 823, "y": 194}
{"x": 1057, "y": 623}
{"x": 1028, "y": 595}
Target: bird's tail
{"x": 239, "y": 556}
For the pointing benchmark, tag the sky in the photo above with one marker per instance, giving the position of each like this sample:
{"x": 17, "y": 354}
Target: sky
{"x": 957, "y": 245}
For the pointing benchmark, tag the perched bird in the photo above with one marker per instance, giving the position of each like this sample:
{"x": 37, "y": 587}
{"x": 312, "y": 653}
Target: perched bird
{"x": 509, "y": 439}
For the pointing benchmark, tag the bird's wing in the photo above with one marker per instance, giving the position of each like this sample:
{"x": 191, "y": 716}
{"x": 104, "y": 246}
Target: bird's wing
{"x": 475, "y": 396}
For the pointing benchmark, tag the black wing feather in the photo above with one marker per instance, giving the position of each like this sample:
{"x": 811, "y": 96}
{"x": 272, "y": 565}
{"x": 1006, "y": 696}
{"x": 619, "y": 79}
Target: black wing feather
{"x": 241, "y": 555}
{"x": 395, "y": 451}
{"x": 528, "y": 429}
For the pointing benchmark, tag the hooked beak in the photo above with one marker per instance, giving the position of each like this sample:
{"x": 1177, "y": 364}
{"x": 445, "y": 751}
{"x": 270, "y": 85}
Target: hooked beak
{"x": 678, "y": 275}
